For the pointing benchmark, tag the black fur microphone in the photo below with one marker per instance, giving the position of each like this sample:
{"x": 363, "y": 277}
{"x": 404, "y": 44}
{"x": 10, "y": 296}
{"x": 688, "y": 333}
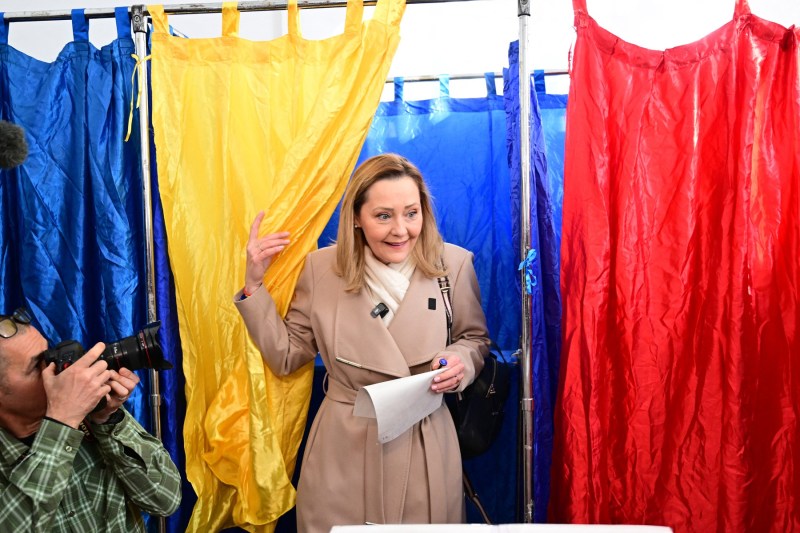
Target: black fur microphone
{"x": 13, "y": 148}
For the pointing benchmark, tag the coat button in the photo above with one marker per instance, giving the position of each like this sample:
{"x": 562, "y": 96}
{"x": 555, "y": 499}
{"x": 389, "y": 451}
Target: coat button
{"x": 68, "y": 448}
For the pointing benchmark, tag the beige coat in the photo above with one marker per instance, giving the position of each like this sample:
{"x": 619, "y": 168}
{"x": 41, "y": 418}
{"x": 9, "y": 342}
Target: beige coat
{"x": 347, "y": 477}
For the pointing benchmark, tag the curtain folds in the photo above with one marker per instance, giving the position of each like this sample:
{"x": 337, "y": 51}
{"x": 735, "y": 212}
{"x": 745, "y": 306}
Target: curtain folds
{"x": 679, "y": 389}
{"x": 242, "y": 126}
{"x": 545, "y": 184}
{"x": 71, "y": 219}
{"x": 173, "y": 384}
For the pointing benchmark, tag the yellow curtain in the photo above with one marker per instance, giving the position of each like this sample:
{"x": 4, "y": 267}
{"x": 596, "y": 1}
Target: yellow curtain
{"x": 242, "y": 126}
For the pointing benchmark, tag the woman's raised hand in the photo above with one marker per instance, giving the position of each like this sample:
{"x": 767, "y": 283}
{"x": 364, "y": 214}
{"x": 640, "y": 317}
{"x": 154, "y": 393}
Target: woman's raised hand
{"x": 260, "y": 251}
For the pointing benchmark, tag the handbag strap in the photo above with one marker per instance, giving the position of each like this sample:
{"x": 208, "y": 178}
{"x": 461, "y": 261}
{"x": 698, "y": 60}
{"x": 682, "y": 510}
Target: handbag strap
{"x": 444, "y": 286}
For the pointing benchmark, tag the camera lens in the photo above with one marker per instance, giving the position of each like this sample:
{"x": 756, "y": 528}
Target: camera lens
{"x": 137, "y": 351}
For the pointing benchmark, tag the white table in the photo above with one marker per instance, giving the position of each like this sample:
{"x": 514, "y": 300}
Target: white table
{"x": 502, "y": 528}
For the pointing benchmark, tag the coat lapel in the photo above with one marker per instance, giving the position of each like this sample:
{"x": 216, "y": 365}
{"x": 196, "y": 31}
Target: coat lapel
{"x": 419, "y": 331}
{"x": 363, "y": 341}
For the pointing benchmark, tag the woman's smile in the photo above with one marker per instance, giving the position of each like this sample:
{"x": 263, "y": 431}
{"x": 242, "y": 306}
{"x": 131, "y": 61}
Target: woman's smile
{"x": 391, "y": 218}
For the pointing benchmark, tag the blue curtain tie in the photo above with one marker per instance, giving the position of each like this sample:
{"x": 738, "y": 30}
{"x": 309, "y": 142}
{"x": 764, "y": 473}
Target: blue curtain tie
{"x": 530, "y": 277}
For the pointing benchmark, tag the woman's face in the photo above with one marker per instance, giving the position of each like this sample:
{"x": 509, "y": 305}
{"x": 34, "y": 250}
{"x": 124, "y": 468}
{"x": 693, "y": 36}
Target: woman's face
{"x": 391, "y": 218}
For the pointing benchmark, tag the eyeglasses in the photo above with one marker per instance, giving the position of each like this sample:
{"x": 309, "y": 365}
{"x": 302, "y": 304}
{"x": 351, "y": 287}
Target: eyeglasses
{"x": 8, "y": 323}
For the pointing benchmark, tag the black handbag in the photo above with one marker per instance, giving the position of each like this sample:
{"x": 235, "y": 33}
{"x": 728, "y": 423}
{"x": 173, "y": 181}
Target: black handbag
{"x": 478, "y": 411}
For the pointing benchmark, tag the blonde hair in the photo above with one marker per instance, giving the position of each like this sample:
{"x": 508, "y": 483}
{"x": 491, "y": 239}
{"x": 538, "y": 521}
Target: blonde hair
{"x": 350, "y": 242}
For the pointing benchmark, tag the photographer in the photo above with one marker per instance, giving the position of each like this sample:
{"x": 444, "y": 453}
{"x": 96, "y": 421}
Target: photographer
{"x": 64, "y": 467}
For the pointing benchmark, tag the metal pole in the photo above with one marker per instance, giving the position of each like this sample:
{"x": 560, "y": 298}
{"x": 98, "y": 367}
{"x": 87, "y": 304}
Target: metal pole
{"x": 140, "y": 41}
{"x": 468, "y": 76}
{"x": 526, "y": 400}
{"x": 193, "y": 9}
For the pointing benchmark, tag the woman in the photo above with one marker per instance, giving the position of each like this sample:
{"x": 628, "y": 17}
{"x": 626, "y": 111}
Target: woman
{"x": 389, "y": 251}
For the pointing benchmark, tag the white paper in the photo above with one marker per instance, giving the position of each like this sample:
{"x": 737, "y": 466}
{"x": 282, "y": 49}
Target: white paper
{"x": 398, "y": 404}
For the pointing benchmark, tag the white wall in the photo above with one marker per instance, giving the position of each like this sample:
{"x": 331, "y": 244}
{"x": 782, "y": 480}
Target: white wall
{"x": 451, "y": 38}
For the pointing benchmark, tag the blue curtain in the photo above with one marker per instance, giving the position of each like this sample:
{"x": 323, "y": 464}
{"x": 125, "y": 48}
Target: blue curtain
{"x": 546, "y": 191}
{"x": 459, "y": 145}
{"x": 553, "y": 115}
{"x": 71, "y": 219}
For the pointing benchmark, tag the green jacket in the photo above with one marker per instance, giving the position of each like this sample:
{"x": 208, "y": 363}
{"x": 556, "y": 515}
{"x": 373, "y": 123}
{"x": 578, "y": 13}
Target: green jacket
{"x": 71, "y": 482}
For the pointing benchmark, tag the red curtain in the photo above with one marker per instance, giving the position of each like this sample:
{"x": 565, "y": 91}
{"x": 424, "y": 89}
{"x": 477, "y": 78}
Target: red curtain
{"x": 680, "y": 372}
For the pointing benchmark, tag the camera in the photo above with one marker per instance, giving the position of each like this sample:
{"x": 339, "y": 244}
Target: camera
{"x": 135, "y": 352}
